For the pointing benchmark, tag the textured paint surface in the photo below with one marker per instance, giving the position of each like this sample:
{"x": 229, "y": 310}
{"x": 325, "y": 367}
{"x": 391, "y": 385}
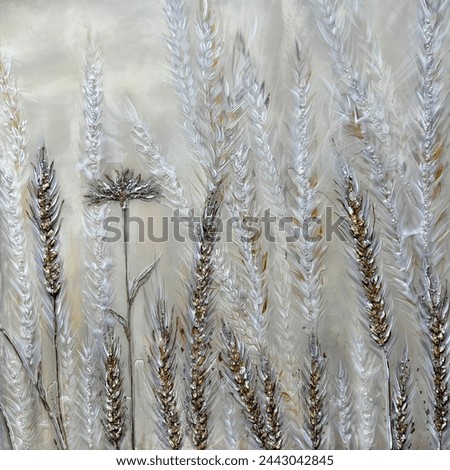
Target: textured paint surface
{"x": 252, "y": 313}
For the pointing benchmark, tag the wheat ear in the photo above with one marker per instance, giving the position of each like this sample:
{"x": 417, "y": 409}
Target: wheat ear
{"x": 98, "y": 291}
{"x": 162, "y": 361}
{"x": 432, "y": 128}
{"x": 45, "y": 212}
{"x": 365, "y": 247}
{"x": 345, "y": 409}
{"x": 272, "y": 412}
{"x": 21, "y": 300}
{"x": 200, "y": 313}
{"x": 14, "y": 174}
{"x": 315, "y": 394}
{"x": 115, "y": 412}
{"x": 157, "y": 166}
{"x": 366, "y": 375}
{"x": 435, "y": 310}
{"x": 183, "y": 74}
{"x": 89, "y": 395}
{"x": 364, "y": 111}
{"x": 240, "y": 373}
{"x": 402, "y": 401}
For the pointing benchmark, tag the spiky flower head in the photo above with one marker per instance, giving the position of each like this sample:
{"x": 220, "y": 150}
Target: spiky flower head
{"x": 121, "y": 187}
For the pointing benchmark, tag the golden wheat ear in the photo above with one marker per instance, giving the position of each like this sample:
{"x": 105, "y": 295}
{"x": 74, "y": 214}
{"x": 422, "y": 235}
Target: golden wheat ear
{"x": 314, "y": 391}
{"x": 272, "y": 408}
{"x": 435, "y": 312}
{"x": 371, "y": 288}
{"x": 200, "y": 323}
{"x": 115, "y": 411}
{"x": 45, "y": 213}
{"x": 163, "y": 366}
{"x": 240, "y": 373}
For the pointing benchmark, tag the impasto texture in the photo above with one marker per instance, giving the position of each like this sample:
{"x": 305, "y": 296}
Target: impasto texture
{"x": 224, "y": 224}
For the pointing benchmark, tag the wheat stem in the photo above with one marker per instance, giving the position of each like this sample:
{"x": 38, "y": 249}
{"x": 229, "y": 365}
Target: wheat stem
{"x": 129, "y": 331}
{"x": 40, "y": 389}
{"x": 9, "y": 430}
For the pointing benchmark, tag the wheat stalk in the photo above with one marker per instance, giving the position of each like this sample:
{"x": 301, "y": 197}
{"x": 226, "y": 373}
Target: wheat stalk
{"x": 163, "y": 364}
{"x": 13, "y": 175}
{"x": 363, "y": 108}
{"x": 114, "y": 422}
{"x": 200, "y": 311}
{"x": 7, "y": 425}
{"x": 45, "y": 210}
{"x": 98, "y": 292}
{"x": 365, "y": 249}
{"x": 124, "y": 187}
{"x": 20, "y": 369}
{"x": 21, "y": 302}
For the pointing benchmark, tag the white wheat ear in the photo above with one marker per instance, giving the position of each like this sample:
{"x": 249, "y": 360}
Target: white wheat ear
{"x": 14, "y": 174}
{"x": 21, "y": 300}
{"x": 402, "y": 397}
{"x": 345, "y": 409}
{"x": 432, "y": 127}
{"x": 366, "y": 381}
{"x": 183, "y": 74}
{"x": 98, "y": 292}
{"x": 157, "y": 166}
{"x": 89, "y": 394}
